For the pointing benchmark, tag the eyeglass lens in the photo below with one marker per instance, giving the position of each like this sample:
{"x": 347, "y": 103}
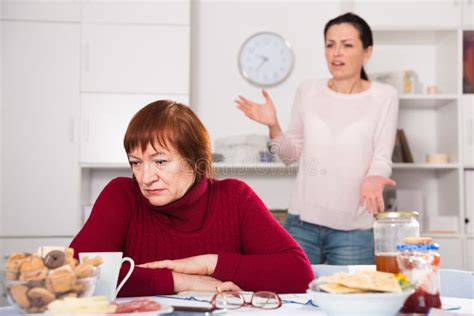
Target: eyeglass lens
{"x": 266, "y": 300}
{"x": 230, "y": 300}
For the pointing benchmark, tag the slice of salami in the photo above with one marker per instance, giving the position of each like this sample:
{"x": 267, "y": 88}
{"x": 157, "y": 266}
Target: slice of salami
{"x": 138, "y": 305}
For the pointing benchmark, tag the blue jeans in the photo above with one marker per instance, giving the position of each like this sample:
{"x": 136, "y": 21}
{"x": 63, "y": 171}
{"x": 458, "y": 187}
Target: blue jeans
{"x": 324, "y": 245}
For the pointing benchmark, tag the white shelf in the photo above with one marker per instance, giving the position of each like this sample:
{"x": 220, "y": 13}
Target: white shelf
{"x": 410, "y": 36}
{"x": 99, "y": 165}
{"x": 254, "y": 166}
{"x": 426, "y": 101}
{"x": 440, "y": 235}
{"x": 408, "y": 28}
{"x": 469, "y": 167}
{"x": 217, "y": 165}
{"x": 425, "y": 166}
{"x": 279, "y": 166}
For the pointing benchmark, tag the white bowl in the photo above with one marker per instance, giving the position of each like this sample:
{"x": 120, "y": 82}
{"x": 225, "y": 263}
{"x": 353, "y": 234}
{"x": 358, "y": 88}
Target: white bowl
{"x": 367, "y": 304}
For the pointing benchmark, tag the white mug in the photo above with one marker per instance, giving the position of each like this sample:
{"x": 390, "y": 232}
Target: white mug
{"x": 109, "y": 272}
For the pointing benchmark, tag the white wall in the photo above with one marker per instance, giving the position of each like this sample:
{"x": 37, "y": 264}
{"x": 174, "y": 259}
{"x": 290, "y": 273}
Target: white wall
{"x": 1, "y": 122}
{"x": 220, "y": 27}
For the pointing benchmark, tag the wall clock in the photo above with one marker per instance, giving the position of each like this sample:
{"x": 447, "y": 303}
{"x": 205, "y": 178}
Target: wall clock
{"x": 265, "y": 59}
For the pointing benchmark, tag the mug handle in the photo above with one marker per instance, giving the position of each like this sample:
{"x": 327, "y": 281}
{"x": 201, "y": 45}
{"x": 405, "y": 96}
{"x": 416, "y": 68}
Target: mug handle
{"x": 127, "y": 276}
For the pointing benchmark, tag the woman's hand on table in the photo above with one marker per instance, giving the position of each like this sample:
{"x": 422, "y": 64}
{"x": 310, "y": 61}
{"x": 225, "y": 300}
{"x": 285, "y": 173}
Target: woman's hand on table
{"x": 371, "y": 192}
{"x": 202, "y": 283}
{"x": 201, "y": 265}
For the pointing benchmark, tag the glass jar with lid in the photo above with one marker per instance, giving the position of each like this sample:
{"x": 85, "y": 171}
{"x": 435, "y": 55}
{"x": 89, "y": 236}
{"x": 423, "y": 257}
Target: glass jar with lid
{"x": 418, "y": 259}
{"x": 390, "y": 229}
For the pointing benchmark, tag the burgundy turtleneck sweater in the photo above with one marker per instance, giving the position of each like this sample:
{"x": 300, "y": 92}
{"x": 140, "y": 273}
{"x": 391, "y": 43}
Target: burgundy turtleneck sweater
{"x": 223, "y": 217}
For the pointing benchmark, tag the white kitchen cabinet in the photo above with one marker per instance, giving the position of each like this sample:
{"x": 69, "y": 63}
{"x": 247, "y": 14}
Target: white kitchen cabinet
{"x": 38, "y": 10}
{"x": 171, "y": 12}
{"x": 469, "y": 200}
{"x": 432, "y": 54}
{"x": 468, "y": 129}
{"x": 105, "y": 118}
{"x": 431, "y": 130}
{"x": 469, "y": 254}
{"x": 468, "y": 13}
{"x": 134, "y": 58}
{"x": 40, "y": 107}
{"x": 451, "y": 252}
{"x": 391, "y": 13}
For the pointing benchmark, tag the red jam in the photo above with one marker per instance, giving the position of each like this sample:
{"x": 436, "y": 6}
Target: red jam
{"x": 421, "y": 302}
{"x": 420, "y": 263}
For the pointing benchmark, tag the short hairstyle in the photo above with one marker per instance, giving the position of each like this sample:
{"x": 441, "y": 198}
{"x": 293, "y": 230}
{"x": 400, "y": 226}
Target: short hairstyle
{"x": 169, "y": 123}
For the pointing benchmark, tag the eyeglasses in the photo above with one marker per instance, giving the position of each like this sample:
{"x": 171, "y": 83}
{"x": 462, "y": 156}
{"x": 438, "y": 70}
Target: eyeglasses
{"x": 234, "y": 300}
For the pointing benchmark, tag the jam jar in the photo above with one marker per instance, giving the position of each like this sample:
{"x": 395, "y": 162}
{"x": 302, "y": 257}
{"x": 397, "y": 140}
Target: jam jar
{"x": 390, "y": 228}
{"x": 418, "y": 259}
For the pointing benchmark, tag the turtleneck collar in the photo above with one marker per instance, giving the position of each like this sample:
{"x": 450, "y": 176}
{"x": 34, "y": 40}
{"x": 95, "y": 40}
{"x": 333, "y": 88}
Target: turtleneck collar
{"x": 188, "y": 212}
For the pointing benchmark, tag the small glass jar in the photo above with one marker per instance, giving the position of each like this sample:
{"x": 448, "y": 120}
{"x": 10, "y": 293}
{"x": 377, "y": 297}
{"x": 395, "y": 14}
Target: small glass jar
{"x": 390, "y": 228}
{"x": 418, "y": 259}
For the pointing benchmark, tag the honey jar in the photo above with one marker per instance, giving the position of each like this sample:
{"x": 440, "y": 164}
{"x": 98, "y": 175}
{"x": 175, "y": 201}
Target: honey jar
{"x": 390, "y": 228}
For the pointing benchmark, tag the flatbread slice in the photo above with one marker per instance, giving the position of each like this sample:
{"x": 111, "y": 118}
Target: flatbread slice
{"x": 373, "y": 281}
{"x": 335, "y": 278}
{"x": 339, "y": 289}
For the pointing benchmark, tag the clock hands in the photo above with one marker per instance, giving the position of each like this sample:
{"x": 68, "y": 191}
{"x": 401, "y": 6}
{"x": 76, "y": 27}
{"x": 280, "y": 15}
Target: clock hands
{"x": 264, "y": 60}
{"x": 261, "y": 64}
{"x": 261, "y": 57}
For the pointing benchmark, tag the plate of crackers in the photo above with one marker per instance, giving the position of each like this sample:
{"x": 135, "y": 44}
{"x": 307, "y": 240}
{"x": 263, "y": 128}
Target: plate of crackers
{"x": 363, "y": 293}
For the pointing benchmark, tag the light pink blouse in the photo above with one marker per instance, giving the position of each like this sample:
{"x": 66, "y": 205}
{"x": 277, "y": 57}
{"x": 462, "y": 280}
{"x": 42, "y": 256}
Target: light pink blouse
{"x": 338, "y": 139}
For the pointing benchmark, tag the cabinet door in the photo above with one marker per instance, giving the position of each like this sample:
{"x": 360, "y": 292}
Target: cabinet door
{"x": 135, "y": 59}
{"x": 451, "y": 252}
{"x": 105, "y": 118}
{"x": 468, "y": 13}
{"x": 40, "y": 104}
{"x": 390, "y": 13}
{"x": 469, "y": 254}
{"x": 34, "y": 10}
{"x": 468, "y": 129}
{"x": 469, "y": 200}
{"x": 169, "y": 12}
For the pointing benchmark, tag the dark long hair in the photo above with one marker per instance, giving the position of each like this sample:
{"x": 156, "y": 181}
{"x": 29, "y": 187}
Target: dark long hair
{"x": 365, "y": 33}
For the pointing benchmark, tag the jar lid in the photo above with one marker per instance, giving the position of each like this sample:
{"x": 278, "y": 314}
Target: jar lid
{"x": 417, "y": 240}
{"x": 402, "y": 247}
{"x": 405, "y": 214}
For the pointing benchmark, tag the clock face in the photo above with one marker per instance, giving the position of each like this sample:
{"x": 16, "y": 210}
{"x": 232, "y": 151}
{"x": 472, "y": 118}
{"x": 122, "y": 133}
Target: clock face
{"x": 265, "y": 59}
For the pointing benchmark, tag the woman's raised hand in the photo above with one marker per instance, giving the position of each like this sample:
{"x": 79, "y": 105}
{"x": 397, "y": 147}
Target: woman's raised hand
{"x": 371, "y": 192}
{"x": 263, "y": 113}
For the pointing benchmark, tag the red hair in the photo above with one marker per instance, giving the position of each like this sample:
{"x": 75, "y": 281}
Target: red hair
{"x": 169, "y": 123}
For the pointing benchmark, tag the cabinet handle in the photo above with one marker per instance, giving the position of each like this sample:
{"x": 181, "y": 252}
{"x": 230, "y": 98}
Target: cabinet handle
{"x": 86, "y": 57}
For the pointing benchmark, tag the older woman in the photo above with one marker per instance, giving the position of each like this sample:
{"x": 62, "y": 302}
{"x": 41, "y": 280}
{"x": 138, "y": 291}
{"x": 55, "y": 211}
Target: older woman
{"x": 184, "y": 230}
